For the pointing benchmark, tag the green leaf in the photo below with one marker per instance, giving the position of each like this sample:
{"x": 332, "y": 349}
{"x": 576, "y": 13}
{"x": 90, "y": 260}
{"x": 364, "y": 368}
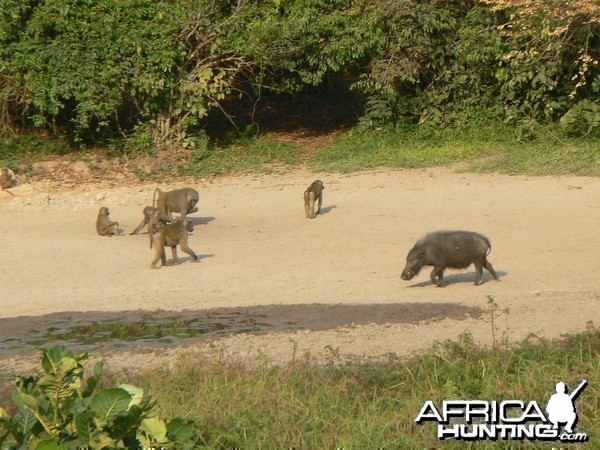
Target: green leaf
{"x": 180, "y": 430}
{"x": 51, "y": 357}
{"x": 3, "y": 414}
{"x": 93, "y": 380}
{"x": 136, "y": 393}
{"x": 109, "y": 402}
{"x": 51, "y": 444}
{"x": 26, "y": 420}
{"x": 154, "y": 429}
{"x": 28, "y": 400}
{"x": 84, "y": 426}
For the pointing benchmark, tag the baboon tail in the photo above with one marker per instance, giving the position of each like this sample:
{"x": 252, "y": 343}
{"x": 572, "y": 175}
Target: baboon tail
{"x": 154, "y": 197}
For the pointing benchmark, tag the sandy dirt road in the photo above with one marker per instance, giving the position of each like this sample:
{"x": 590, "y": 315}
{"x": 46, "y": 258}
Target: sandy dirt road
{"x": 256, "y": 248}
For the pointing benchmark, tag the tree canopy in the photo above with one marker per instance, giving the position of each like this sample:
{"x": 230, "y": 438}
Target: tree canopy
{"x": 92, "y": 68}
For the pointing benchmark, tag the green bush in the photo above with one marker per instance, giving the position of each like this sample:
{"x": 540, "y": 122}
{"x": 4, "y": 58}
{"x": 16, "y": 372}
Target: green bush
{"x": 61, "y": 409}
{"x": 582, "y": 119}
{"x": 98, "y": 68}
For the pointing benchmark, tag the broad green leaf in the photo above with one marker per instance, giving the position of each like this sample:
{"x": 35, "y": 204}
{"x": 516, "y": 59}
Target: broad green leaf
{"x": 109, "y": 402}
{"x": 155, "y": 429}
{"x": 136, "y": 393}
{"x": 84, "y": 426}
{"x": 26, "y": 420}
{"x": 51, "y": 444}
{"x": 180, "y": 429}
{"x": 28, "y": 400}
{"x": 52, "y": 356}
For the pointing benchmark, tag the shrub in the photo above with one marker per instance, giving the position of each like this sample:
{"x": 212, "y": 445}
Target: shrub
{"x": 60, "y": 409}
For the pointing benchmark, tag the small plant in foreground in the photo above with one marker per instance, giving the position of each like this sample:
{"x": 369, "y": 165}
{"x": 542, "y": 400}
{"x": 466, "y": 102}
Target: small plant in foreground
{"x": 56, "y": 411}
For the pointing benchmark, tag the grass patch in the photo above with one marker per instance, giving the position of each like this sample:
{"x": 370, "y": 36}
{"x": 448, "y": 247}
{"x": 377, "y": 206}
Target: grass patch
{"x": 580, "y": 157}
{"x": 486, "y": 149}
{"x": 368, "y": 405}
{"x": 16, "y": 149}
{"x": 260, "y": 154}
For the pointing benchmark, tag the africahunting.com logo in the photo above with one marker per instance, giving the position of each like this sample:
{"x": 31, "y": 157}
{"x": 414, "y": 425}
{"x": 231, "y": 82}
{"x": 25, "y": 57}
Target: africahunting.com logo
{"x": 472, "y": 420}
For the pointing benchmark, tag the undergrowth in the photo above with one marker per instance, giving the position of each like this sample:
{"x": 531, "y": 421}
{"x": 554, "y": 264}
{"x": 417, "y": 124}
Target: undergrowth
{"x": 372, "y": 404}
{"x": 299, "y": 405}
{"x": 487, "y": 148}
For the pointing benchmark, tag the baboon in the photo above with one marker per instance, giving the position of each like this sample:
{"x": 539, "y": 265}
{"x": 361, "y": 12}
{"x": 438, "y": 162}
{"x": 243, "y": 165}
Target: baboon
{"x": 171, "y": 235}
{"x": 7, "y": 180}
{"x": 182, "y": 201}
{"x": 149, "y": 212}
{"x": 313, "y": 193}
{"x": 156, "y": 220}
{"x": 104, "y": 226}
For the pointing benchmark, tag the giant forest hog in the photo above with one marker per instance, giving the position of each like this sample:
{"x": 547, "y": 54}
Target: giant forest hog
{"x": 442, "y": 249}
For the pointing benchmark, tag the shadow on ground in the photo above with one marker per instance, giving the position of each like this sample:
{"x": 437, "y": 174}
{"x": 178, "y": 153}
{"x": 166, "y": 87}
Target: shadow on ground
{"x": 85, "y": 331}
{"x": 461, "y": 278}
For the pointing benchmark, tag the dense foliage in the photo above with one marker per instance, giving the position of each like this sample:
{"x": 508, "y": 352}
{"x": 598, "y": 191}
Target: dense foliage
{"x": 62, "y": 410}
{"x": 97, "y": 68}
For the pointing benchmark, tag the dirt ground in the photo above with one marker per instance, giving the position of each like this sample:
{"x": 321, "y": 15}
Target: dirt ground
{"x": 331, "y": 286}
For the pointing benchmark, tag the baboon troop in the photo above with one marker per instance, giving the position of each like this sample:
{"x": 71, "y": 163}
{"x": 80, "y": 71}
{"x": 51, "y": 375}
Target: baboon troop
{"x": 171, "y": 235}
{"x": 162, "y": 230}
{"x": 104, "y": 226}
{"x": 313, "y": 193}
{"x": 441, "y": 249}
{"x": 7, "y": 180}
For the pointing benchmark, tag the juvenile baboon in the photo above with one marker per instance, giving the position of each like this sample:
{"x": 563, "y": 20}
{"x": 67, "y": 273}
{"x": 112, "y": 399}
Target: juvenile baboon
{"x": 313, "y": 193}
{"x": 181, "y": 201}
{"x": 148, "y": 212}
{"x": 171, "y": 235}
{"x": 156, "y": 220}
{"x": 7, "y": 180}
{"x": 104, "y": 226}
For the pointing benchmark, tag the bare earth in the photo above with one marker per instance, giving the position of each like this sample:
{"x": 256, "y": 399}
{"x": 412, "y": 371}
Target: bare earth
{"x": 337, "y": 277}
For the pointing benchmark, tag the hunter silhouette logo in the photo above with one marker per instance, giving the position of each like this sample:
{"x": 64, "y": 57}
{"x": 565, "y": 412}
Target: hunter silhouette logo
{"x": 472, "y": 420}
{"x": 561, "y": 406}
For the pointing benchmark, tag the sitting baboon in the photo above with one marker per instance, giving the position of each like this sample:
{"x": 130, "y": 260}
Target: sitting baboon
{"x": 104, "y": 226}
{"x": 171, "y": 235}
{"x": 182, "y": 201}
{"x": 148, "y": 212}
{"x": 313, "y": 193}
{"x": 7, "y": 180}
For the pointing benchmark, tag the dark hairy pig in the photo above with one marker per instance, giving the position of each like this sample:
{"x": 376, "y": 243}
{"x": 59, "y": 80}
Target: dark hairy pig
{"x": 442, "y": 249}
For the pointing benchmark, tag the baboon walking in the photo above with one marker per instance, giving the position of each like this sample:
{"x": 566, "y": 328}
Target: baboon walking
{"x": 182, "y": 201}
{"x": 313, "y": 193}
{"x": 171, "y": 235}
